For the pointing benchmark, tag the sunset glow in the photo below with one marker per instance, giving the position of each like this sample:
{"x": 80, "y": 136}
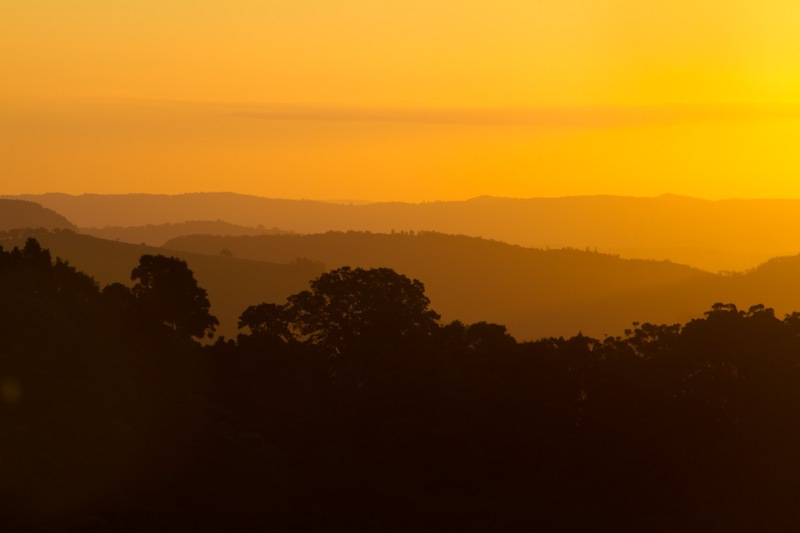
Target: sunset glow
{"x": 401, "y": 100}
{"x": 399, "y": 265}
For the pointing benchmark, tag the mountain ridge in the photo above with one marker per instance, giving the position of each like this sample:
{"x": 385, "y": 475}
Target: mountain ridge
{"x": 714, "y": 235}
{"x": 535, "y": 293}
{"x": 232, "y": 283}
{"x": 17, "y": 214}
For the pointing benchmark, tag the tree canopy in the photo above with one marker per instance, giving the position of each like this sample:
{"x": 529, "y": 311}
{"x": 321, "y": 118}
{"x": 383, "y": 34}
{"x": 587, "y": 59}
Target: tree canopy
{"x": 352, "y": 408}
{"x": 348, "y": 309}
{"x": 167, "y": 288}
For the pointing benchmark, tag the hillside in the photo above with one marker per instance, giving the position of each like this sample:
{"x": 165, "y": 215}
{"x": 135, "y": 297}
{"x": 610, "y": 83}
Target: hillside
{"x": 712, "y": 235}
{"x": 16, "y": 214}
{"x": 534, "y": 292}
{"x": 233, "y": 284}
{"x": 158, "y": 234}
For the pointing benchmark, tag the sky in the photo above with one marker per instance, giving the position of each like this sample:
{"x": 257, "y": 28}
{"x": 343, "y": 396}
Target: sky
{"x": 401, "y": 99}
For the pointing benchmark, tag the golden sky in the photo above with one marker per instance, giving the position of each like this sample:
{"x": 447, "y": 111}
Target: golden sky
{"x": 401, "y": 99}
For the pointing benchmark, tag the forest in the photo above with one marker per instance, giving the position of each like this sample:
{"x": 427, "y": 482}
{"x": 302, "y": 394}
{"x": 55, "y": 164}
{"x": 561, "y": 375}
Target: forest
{"x": 352, "y": 406}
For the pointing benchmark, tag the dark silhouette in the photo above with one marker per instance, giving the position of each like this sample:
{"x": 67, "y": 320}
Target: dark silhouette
{"x": 232, "y": 283}
{"x": 352, "y": 407}
{"x": 533, "y": 292}
{"x": 267, "y": 320}
{"x": 168, "y": 291}
{"x": 348, "y": 307}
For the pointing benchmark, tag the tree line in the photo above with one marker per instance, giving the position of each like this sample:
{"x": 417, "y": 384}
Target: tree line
{"x": 352, "y": 406}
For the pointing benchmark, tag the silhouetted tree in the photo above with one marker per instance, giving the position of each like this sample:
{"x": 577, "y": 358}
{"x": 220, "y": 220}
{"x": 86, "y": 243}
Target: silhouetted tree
{"x": 451, "y": 427}
{"x": 167, "y": 289}
{"x": 488, "y": 338}
{"x": 348, "y": 307}
{"x": 266, "y": 320}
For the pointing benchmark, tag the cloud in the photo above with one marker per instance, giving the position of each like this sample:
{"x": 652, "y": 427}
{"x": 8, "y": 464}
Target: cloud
{"x": 555, "y": 117}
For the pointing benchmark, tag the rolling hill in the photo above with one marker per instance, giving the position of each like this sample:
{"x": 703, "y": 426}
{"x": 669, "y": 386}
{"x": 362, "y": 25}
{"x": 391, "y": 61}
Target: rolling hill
{"x": 16, "y": 214}
{"x": 534, "y": 292}
{"x": 712, "y": 235}
{"x": 233, "y": 284}
{"x": 158, "y": 234}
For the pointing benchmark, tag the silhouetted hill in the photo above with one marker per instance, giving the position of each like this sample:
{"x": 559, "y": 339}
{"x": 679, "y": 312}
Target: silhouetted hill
{"x": 158, "y": 234}
{"x": 23, "y": 214}
{"x": 534, "y": 292}
{"x": 351, "y": 408}
{"x": 713, "y": 235}
{"x": 233, "y": 284}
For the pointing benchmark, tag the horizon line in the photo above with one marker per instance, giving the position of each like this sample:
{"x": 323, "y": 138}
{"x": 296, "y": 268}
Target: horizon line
{"x": 359, "y": 202}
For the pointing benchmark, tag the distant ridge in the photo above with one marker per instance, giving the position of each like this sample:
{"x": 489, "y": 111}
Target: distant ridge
{"x": 534, "y": 292}
{"x": 158, "y": 234}
{"x": 15, "y": 214}
{"x": 712, "y": 235}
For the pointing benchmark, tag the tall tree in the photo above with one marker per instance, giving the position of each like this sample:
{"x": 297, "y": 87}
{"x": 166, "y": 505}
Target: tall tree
{"x": 349, "y": 307}
{"x": 166, "y": 288}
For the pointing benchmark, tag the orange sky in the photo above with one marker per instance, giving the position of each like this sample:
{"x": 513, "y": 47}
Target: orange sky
{"x": 401, "y": 99}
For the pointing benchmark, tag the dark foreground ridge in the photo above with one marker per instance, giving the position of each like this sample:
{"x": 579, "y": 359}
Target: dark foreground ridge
{"x": 353, "y": 407}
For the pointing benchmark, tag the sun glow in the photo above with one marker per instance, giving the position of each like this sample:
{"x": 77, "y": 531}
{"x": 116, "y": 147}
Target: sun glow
{"x": 400, "y": 100}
